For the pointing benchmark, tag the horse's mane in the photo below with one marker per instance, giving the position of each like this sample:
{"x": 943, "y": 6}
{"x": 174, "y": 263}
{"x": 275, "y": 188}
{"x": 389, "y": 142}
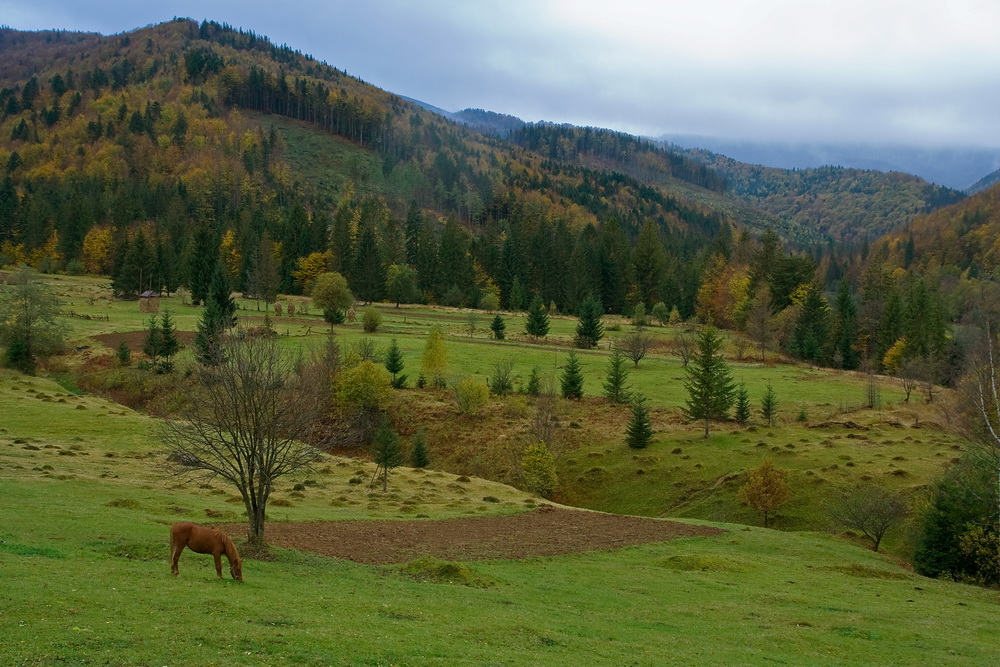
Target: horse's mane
{"x": 229, "y": 546}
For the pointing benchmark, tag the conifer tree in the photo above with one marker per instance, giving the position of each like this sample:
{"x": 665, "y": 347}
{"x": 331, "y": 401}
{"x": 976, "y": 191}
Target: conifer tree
{"x": 639, "y": 431}
{"x": 572, "y": 377}
{"x": 742, "y": 412}
{"x": 537, "y": 323}
{"x": 516, "y": 297}
{"x": 769, "y": 405}
{"x": 616, "y": 377}
{"x": 419, "y": 458}
{"x": 589, "y": 329}
{"x": 534, "y": 387}
{"x": 221, "y": 293}
{"x": 169, "y": 345}
{"x": 394, "y": 364}
{"x": 498, "y": 326}
{"x": 709, "y": 383}
{"x": 845, "y": 329}
{"x": 386, "y": 454}
{"x": 152, "y": 345}
{"x": 810, "y": 337}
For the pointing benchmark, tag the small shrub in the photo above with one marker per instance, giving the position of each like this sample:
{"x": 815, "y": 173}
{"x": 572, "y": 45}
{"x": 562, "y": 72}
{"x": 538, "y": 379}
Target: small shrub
{"x": 371, "y": 319}
{"x": 471, "y": 395}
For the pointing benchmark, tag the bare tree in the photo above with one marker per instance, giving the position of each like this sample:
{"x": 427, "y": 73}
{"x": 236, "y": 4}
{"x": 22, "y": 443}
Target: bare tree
{"x": 981, "y": 389}
{"x": 245, "y": 420}
{"x": 871, "y": 509}
{"x": 635, "y": 344}
{"x": 684, "y": 348}
{"x": 907, "y": 376}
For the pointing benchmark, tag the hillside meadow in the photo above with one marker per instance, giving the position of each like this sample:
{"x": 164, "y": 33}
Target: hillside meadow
{"x": 83, "y": 547}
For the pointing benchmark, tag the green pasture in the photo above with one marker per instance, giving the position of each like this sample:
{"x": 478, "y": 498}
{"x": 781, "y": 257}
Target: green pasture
{"x": 83, "y": 550}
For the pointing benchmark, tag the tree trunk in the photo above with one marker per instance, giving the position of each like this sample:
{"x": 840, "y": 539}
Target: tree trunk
{"x": 706, "y": 427}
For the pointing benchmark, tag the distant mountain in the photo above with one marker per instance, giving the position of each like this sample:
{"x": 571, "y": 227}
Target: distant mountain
{"x": 487, "y": 122}
{"x": 954, "y": 167}
{"x": 987, "y": 181}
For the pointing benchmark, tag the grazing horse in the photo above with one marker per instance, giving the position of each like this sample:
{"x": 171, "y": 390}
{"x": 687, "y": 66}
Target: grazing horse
{"x": 203, "y": 540}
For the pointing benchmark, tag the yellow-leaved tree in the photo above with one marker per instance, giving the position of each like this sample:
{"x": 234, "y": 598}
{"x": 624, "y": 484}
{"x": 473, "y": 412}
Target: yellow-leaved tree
{"x": 766, "y": 489}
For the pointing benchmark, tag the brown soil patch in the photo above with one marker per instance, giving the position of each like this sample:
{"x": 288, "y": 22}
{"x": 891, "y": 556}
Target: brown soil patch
{"x": 547, "y": 531}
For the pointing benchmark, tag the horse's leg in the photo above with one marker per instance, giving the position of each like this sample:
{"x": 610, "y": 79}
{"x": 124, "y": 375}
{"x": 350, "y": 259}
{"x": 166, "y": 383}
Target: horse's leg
{"x": 218, "y": 564}
{"x": 175, "y": 554}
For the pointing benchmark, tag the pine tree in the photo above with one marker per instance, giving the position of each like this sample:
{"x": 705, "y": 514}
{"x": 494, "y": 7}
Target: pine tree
{"x": 616, "y": 377}
{"x": 498, "y": 327}
{"x": 709, "y": 383}
{"x": 394, "y": 364}
{"x": 742, "y": 413}
{"x": 769, "y": 405}
{"x": 810, "y": 336}
{"x": 639, "y": 432}
{"x": 386, "y": 454}
{"x": 124, "y": 354}
{"x": 153, "y": 344}
{"x": 846, "y": 328}
{"x": 572, "y": 377}
{"x": 516, "y": 297}
{"x": 419, "y": 457}
{"x": 537, "y": 323}
{"x": 208, "y": 337}
{"x": 589, "y": 329}
{"x": 220, "y": 293}
{"x": 534, "y": 387}
{"x": 169, "y": 345}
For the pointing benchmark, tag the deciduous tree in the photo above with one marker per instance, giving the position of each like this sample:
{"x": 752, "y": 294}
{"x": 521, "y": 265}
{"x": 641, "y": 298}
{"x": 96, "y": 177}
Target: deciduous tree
{"x": 246, "y": 420}
{"x": 765, "y": 490}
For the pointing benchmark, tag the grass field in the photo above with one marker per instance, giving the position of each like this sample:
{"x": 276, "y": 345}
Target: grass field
{"x": 83, "y": 550}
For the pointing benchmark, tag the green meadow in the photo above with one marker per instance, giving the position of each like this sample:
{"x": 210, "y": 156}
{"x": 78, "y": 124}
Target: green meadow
{"x": 88, "y": 501}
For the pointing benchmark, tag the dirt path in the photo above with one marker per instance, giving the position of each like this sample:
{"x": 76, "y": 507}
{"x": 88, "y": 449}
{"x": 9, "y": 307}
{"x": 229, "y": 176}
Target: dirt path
{"x": 547, "y": 531}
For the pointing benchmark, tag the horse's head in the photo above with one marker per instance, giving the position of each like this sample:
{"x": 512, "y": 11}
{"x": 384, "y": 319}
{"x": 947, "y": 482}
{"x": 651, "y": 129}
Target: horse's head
{"x": 236, "y": 569}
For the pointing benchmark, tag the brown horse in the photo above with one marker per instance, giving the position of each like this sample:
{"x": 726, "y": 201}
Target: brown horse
{"x": 203, "y": 540}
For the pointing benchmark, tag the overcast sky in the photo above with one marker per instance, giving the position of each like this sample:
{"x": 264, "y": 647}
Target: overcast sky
{"x": 909, "y": 72}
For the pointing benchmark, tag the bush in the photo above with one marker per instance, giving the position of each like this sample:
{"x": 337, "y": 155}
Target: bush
{"x": 471, "y": 395}
{"x": 371, "y": 318}
{"x": 539, "y": 469}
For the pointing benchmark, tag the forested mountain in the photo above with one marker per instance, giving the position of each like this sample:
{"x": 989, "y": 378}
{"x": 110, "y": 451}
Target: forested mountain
{"x": 154, "y": 155}
{"x": 154, "y": 139}
{"x": 955, "y": 167}
{"x": 847, "y": 205}
{"x": 959, "y": 239}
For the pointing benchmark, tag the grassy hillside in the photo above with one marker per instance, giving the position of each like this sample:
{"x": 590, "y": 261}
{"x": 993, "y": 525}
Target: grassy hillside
{"x": 84, "y": 552}
{"x": 823, "y": 436}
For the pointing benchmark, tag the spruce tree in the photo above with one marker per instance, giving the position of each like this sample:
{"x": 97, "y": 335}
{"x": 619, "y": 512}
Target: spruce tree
{"x": 394, "y": 364}
{"x": 846, "y": 329}
{"x": 589, "y": 329}
{"x": 152, "y": 346}
{"x": 169, "y": 345}
{"x": 709, "y": 383}
{"x": 498, "y": 327}
{"x": 386, "y": 454}
{"x": 419, "y": 457}
{"x": 222, "y": 295}
{"x": 769, "y": 405}
{"x": 810, "y": 337}
{"x": 639, "y": 431}
{"x": 742, "y": 413}
{"x": 537, "y": 323}
{"x": 616, "y": 377}
{"x": 572, "y": 377}
{"x": 534, "y": 387}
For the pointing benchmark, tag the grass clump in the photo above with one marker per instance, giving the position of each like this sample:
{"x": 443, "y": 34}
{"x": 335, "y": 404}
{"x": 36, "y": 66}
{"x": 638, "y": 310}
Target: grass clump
{"x": 427, "y": 569}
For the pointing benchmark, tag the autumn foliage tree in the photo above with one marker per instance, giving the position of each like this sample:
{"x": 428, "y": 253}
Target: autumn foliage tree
{"x": 765, "y": 490}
